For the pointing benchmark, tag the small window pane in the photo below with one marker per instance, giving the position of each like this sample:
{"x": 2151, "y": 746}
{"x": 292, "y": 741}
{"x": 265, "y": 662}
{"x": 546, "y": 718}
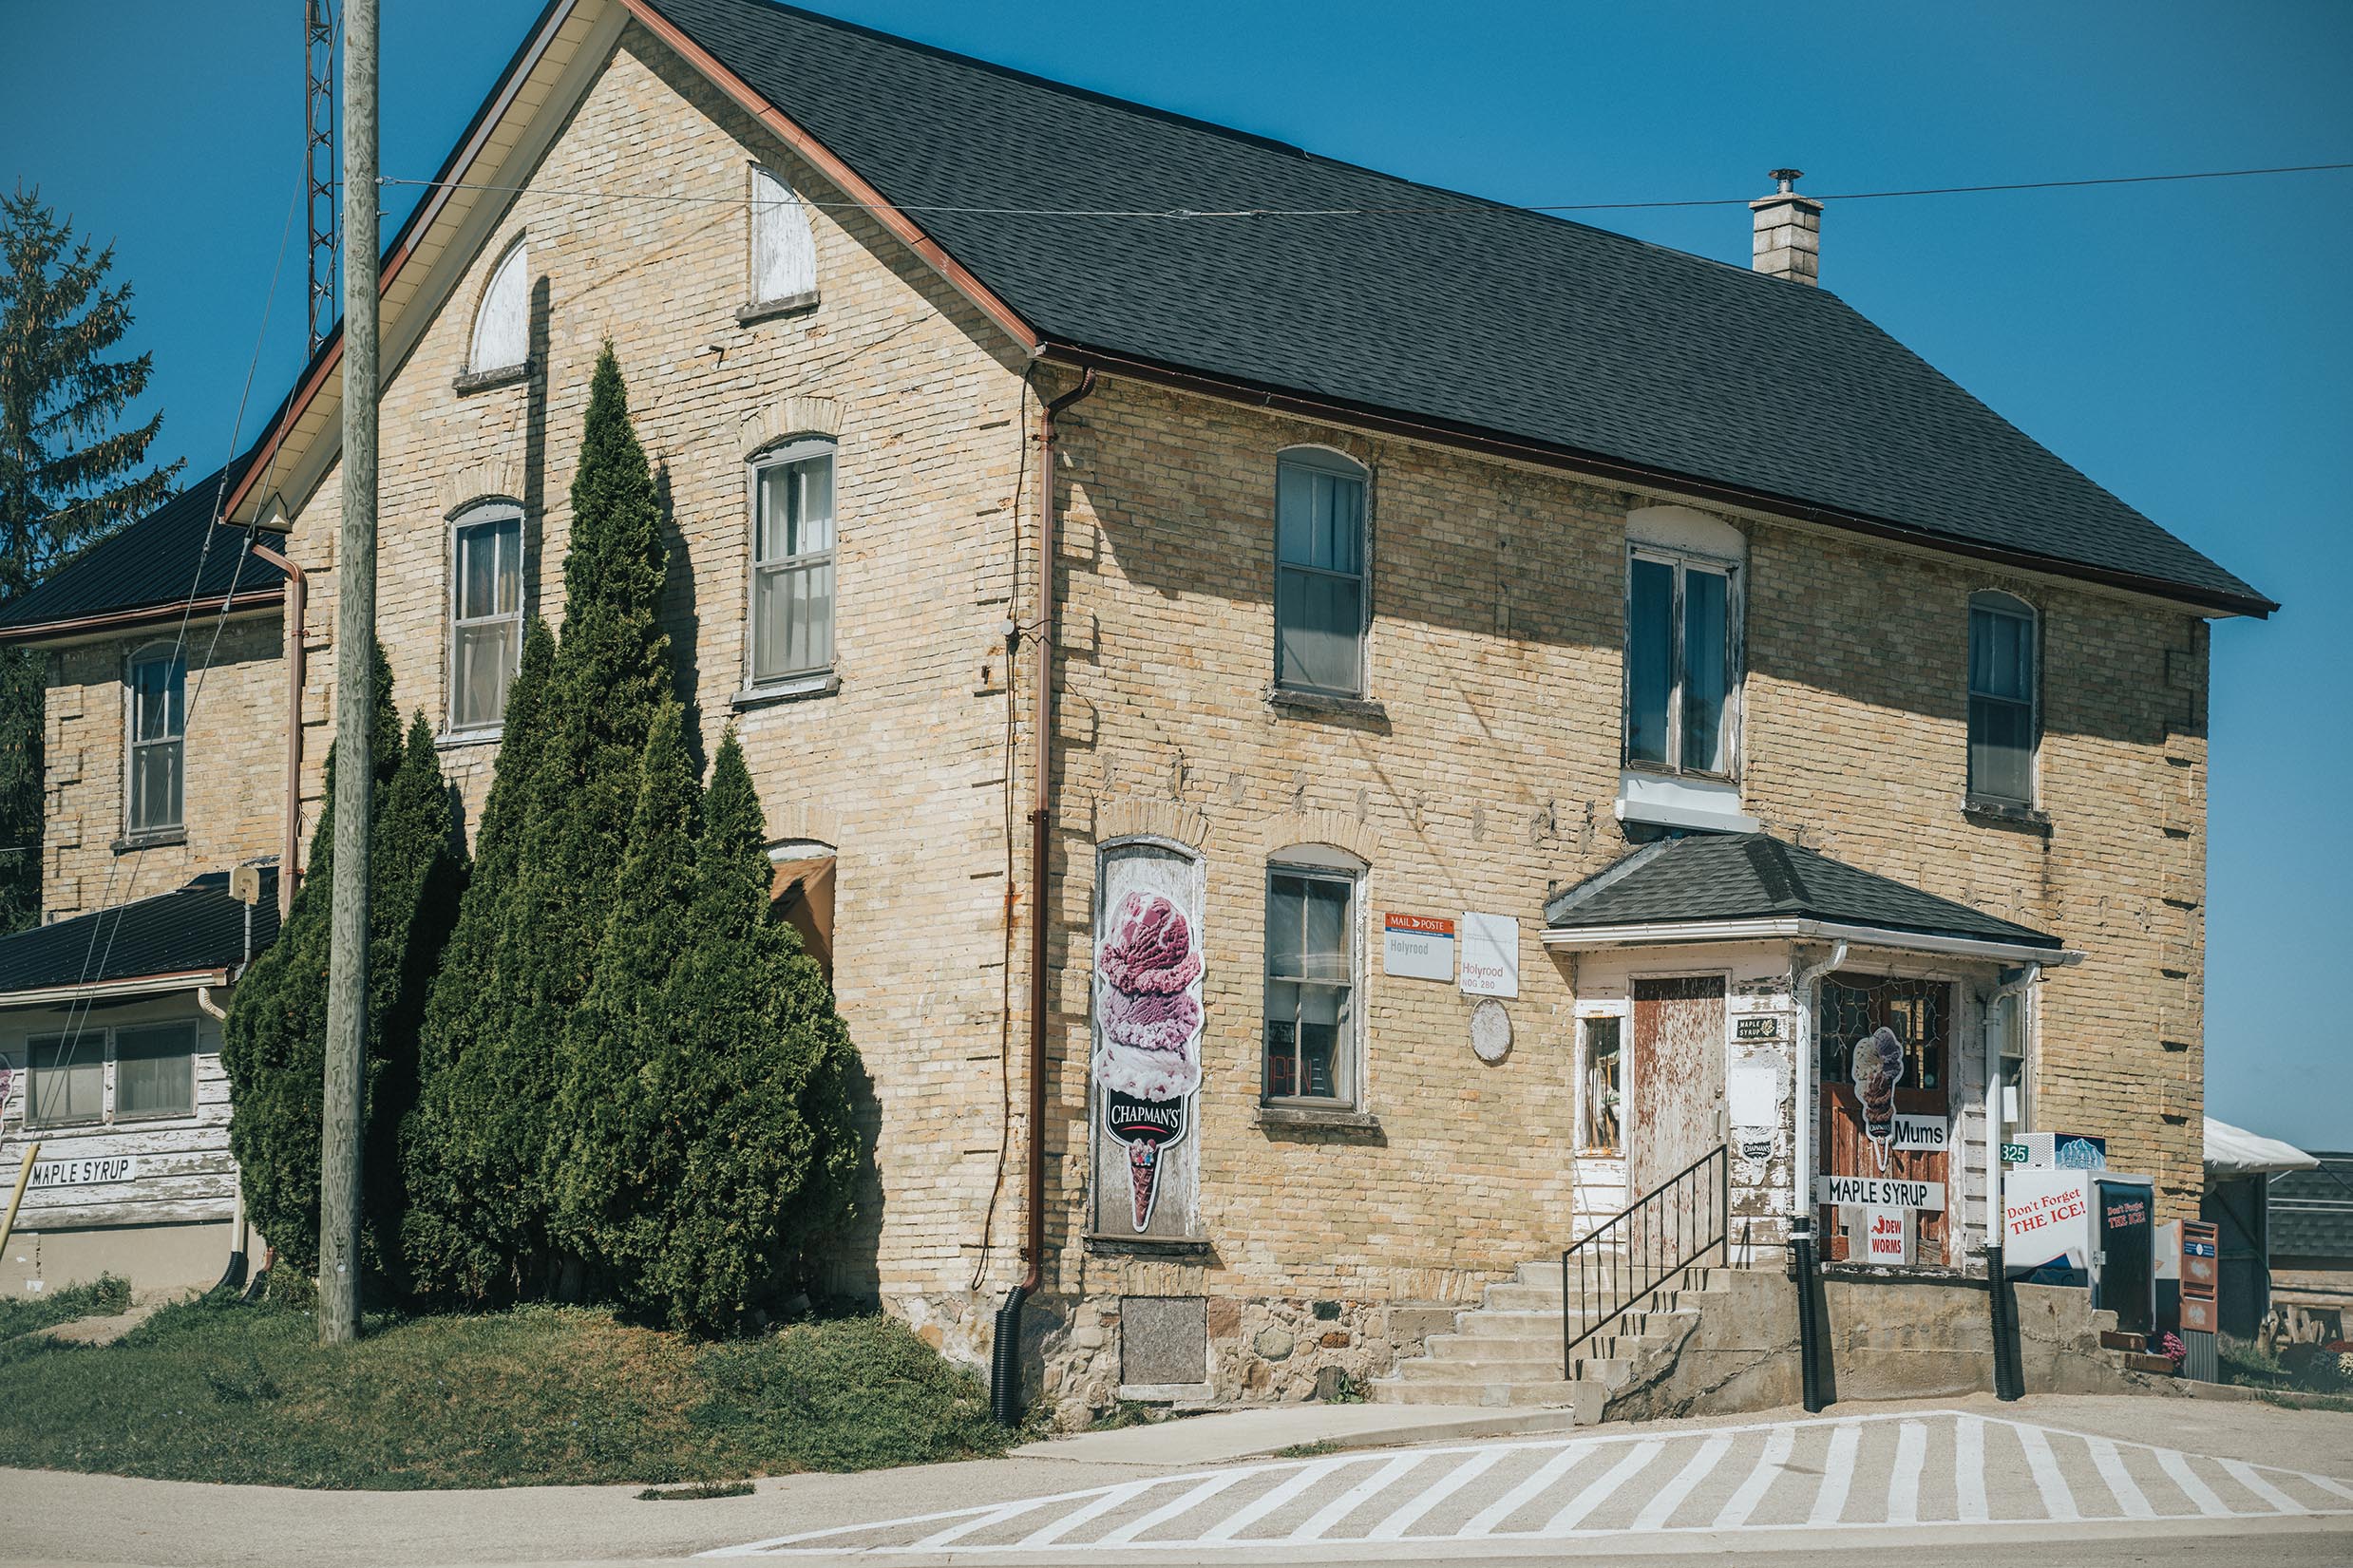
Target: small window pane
{"x": 487, "y": 659}
{"x": 68, "y": 1077}
{"x": 1650, "y": 660}
{"x": 2000, "y": 655}
{"x": 1320, "y": 626}
{"x": 1324, "y": 944}
{"x": 155, "y": 1073}
{"x": 1707, "y": 632}
{"x": 2000, "y": 750}
{"x": 1284, "y": 921}
{"x": 489, "y": 569}
{"x": 155, "y": 785}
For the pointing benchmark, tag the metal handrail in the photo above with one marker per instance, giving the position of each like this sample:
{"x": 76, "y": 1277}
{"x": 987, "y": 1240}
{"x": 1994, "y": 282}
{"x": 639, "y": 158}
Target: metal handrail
{"x": 1691, "y": 1211}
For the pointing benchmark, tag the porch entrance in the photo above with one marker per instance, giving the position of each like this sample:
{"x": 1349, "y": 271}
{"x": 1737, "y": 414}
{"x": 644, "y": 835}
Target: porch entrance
{"x": 1677, "y": 1072}
{"x": 1884, "y": 1100}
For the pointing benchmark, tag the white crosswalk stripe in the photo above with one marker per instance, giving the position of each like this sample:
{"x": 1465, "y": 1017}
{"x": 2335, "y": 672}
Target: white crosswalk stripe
{"x": 1765, "y": 1476}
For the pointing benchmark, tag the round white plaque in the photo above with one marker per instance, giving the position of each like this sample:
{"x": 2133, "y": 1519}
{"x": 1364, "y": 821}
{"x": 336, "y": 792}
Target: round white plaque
{"x": 1490, "y": 1030}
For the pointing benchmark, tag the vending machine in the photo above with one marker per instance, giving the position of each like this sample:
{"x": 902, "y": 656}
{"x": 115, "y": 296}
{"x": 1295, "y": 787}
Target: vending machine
{"x": 2092, "y": 1228}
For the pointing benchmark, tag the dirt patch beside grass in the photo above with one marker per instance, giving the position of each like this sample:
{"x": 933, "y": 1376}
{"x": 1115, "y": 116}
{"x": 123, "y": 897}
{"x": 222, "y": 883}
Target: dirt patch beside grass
{"x": 218, "y": 1392}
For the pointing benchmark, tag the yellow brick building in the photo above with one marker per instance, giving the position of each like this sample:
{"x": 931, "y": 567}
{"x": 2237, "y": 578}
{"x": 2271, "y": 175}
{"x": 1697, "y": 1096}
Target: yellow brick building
{"x": 1401, "y": 586}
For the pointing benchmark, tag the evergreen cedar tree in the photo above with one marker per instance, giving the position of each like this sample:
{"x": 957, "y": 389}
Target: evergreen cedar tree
{"x": 273, "y": 1041}
{"x": 66, "y": 476}
{"x": 633, "y": 1080}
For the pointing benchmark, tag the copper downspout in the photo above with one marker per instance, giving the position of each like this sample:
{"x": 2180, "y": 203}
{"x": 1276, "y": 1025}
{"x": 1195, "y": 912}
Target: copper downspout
{"x": 1005, "y": 1382}
{"x": 297, "y": 598}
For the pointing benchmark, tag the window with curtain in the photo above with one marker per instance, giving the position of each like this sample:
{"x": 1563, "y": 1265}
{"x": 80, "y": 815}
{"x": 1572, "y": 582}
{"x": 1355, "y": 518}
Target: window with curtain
{"x": 486, "y": 614}
{"x": 792, "y": 562}
{"x": 1681, "y": 663}
{"x": 153, "y": 1072}
{"x": 503, "y": 324}
{"x": 67, "y": 1080}
{"x": 2002, "y": 699}
{"x": 157, "y": 698}
{"x": 784, "y": 251}
{"x": 1320, "y": 573}
{"x": 1311, "y": 984}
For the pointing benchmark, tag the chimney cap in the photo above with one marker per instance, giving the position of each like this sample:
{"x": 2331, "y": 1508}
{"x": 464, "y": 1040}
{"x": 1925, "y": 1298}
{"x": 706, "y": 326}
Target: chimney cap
{"x": 1785, "y": 178}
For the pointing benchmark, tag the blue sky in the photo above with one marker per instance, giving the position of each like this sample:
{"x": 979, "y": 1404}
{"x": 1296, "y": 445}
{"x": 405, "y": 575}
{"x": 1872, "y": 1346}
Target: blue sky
{"x": 2188, "y": 346}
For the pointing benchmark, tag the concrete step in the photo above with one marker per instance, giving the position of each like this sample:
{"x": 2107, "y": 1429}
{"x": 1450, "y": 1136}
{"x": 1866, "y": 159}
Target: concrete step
{"x": 2114, "y": 1339}
{"x": 1542, "y": 1369}
{"x": 1579, "y": 1395}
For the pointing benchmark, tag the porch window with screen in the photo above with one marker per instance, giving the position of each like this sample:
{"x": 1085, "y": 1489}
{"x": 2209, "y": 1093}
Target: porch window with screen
{"x": 792, "y": 562}
{"x": 486, "y": 614}
{"x": 2002, "y": 699}
{"x": 1600, "y": 1042}
{"x": 68, "y": 1079}
{"x": 153, "y": 1072}
{"x": 157, "y": 695}
{"x": 1681, "y": 663}
{"x": 1311, "y": 1006}
{"x": 1320, "y": 573}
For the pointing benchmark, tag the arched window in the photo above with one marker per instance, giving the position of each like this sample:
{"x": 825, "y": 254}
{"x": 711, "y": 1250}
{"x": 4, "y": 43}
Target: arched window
{"x": 503, "y": 325}
{"x": 1319, "y": 573}
{"x": 485, "y": 613}
{"x": 1314, "y": 976}
{"x": 156, "y": 690}
{"x": 2003, "y": 684}
{"x": 784, "y": 252}
{"x": 801, "y": 892}
{"x": 792, "y": 560}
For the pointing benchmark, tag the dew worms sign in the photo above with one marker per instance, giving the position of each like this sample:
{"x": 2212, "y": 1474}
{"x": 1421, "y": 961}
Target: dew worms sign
{"x": 1145, "y": 1065}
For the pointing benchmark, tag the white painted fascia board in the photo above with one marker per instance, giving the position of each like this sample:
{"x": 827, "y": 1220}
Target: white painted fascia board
{"x": 1794, "y": 929}
{"x": 144, "y": 985}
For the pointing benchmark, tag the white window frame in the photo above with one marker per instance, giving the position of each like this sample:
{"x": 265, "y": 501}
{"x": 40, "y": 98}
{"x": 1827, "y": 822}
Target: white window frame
{"x": 133, "y": 744}
{"x": 798, "y": 449}
{"x": 501, "y": 338}
{"x": 103, "y": 1040}
{"x": 1336, "y": 464}
{"x": 1319, "y": 862}
{"x": 478, "y": 515}
{"x": 1994, "y": 601}
{"x": 779, "y": 234}
{"x": 1683, "y": 563}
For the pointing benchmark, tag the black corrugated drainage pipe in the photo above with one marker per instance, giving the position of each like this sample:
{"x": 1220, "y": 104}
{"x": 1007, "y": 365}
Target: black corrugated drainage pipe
{"x": 1005, "y": 1355}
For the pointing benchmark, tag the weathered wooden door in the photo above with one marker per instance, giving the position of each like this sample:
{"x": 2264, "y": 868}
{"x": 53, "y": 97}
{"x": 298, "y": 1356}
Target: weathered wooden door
{"x": 1859, "y": 1138}
{"x": 1677, "y": 1077}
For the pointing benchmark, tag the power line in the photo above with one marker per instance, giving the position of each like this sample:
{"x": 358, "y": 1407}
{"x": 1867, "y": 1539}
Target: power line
{"x": 1463, "y": 205}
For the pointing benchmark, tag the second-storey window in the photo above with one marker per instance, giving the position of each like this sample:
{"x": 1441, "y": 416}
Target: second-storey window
{"x": 2002, "y": 699}
{"x": 1682, "y": 663}
{"x": 157, "y": 693}
{"x": 1311, "y": 988}
{"x": 486, "y": 614}
{"x": 1319, "y": 573}
{"x": 792, "y": 561}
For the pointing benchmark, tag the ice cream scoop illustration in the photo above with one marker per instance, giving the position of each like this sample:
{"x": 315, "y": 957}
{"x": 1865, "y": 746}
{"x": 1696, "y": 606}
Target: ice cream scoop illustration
{"x": 1878, "y": 1068}
{"x": 1148, "y": 1034}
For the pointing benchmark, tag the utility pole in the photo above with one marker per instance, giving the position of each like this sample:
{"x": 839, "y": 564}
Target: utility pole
{"x": 355, "y": 640}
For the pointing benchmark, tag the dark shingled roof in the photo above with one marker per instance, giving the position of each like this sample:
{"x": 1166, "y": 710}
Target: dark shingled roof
{"x": 2312, "y": 1211}
{"x": 1477, "y": 315}
{"x": 197, "y": 927}
{"x": 148, "y": 564}
{"x": 1754, "y": 876}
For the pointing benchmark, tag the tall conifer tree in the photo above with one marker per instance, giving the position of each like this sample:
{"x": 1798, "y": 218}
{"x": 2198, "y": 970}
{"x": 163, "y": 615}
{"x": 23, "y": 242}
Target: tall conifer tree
{"x": 495, "y": 1109}
{"x": 274, "y": 1041}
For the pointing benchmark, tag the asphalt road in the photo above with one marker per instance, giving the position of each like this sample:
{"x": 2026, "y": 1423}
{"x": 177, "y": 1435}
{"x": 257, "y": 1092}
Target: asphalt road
{"x": 2090, "y": 1482}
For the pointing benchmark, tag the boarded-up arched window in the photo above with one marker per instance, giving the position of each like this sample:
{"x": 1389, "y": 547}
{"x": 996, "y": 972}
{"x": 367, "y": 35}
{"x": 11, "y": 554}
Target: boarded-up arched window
{"x": 501, "y": 327}
{"x": 784, "y": 253}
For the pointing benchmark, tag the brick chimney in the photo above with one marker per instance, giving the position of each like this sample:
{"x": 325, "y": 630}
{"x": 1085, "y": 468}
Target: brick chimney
{"x": 1789, "y": 232}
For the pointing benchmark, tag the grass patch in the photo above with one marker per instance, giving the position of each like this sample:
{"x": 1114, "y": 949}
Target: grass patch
{"x": 104, "y": 1297}
{"x": 1316, "y": 1449}
{"x": 696, "y": 1493}
{"x": 213, "y": 1390}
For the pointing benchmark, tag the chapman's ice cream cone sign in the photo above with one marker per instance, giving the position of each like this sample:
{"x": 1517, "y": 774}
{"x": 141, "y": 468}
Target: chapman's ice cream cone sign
{"x": 1878, "y": 1066}
{"x": 1147, "y": 1035}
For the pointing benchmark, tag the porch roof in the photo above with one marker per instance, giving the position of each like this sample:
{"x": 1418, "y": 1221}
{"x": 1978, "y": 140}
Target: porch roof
{"x": 192, "y": 936}
{"x": 1733, "y": 886}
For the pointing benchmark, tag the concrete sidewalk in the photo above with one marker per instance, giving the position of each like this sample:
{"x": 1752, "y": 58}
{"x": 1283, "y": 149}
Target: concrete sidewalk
{"x": 1226, "y": 1435}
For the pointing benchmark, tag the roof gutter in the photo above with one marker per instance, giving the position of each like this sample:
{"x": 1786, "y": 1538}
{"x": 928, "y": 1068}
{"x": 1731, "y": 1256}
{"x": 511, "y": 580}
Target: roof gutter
{"x": 1804, "y": 929}
{"x": 148, "y": 614}
{"x": 96, "y": 990}
{"x": 1593, "y": 464}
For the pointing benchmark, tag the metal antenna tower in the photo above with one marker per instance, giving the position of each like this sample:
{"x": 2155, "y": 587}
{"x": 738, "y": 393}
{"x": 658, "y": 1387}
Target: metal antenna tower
{"x": 318, "y": 158}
